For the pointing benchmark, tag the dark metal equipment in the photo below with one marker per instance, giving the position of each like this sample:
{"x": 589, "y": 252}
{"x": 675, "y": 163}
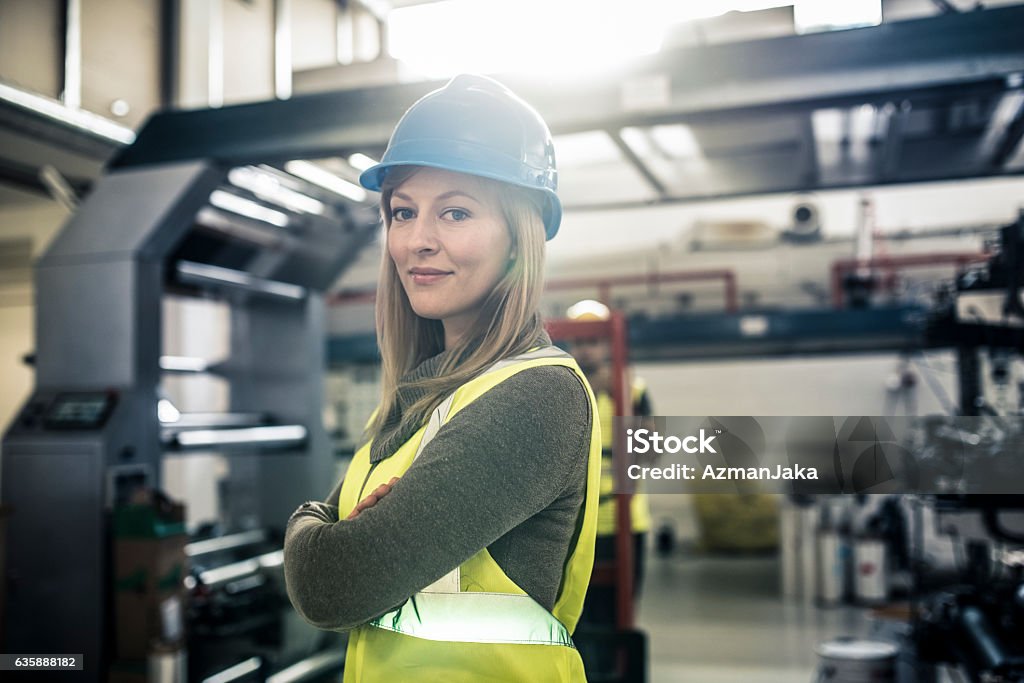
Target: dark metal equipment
{"x": 91, "y": 432}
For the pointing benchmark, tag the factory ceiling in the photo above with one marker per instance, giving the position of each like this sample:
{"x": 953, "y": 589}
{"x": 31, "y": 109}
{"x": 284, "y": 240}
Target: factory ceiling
{"x": 919, "y": 100}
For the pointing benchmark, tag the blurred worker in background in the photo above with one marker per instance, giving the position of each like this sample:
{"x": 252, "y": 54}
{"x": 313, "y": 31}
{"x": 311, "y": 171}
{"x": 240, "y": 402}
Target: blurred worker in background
{"x": 460, "y": 543}
{"x": 595, "y": 359}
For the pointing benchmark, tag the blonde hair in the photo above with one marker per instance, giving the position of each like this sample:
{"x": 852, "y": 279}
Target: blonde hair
{"x": 509, "y": 321}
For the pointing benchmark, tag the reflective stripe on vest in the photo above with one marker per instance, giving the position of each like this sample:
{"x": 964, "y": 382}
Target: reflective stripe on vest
{"x": 476, "y": 618}
{"x": 487, "y": 628}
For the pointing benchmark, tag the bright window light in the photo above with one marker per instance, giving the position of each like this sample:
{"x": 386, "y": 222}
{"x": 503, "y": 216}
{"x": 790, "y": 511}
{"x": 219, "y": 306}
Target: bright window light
{"x": 361, "y": 162}
{"x": 583, "y": 149}
{"x": 269, "y": 188}
{"x": 318, "y": 176}
{"x": 249, "y": 209}
{"x": 829, "y": 15}
{"x": 552, "y": 37}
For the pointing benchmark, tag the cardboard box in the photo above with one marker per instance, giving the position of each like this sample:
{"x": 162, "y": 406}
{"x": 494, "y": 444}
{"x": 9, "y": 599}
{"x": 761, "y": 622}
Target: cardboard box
{"x": 150, "y": 566}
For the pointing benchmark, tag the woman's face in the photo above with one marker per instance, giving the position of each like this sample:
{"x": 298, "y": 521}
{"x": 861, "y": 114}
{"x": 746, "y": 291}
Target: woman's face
{"x": 450, "y": 244}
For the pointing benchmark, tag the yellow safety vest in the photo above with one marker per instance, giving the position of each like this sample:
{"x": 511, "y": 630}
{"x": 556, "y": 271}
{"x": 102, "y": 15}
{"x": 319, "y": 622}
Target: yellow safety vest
{"x": 639, "y": 508}
{"x": 475, "y": 624}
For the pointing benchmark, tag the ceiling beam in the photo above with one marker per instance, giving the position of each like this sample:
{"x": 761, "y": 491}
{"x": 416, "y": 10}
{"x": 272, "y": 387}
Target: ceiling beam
{"x": 634, "y": 159}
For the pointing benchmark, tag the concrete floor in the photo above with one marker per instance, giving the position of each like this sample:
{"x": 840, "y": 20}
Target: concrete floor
{"x": 722, "y": 620}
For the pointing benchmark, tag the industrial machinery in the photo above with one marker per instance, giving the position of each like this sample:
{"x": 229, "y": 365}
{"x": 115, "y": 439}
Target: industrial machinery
{"x": 228, "y": 223}
{"x": 974, "y": 620}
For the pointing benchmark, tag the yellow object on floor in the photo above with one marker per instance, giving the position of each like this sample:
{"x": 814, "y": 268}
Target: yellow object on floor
{"x": 734, "y": 522}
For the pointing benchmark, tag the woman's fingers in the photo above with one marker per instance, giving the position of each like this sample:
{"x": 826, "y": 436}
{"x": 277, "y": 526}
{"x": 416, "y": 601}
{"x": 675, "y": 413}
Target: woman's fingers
{"x": 373, "y": 498}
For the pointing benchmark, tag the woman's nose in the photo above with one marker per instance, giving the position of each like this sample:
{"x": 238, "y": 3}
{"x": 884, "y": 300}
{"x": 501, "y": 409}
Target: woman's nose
{"x": 423, "y": 235}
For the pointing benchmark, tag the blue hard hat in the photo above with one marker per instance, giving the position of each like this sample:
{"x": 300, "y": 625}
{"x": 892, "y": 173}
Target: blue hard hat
{"x": 477, "y": 126}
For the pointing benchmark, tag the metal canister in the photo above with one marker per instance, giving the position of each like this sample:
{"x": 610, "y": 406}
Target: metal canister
{"x": 852, "y": 660}
{"x": 870, "y": 580}
{"x": 832, "y": 567}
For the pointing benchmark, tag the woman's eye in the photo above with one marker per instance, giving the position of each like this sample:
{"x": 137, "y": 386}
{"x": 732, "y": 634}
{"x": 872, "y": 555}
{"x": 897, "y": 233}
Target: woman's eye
{"x": 401, "y": 214}
{"x": 457, "y": 214}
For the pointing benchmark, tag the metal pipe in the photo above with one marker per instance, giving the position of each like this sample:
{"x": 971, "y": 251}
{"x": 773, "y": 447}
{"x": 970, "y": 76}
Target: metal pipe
{"x": 234, "y": 673}
{"x": 197, "y": 420}
{"x": 228, "y": 542}
{"x": 261, "y": 437}
{"x": 311, "y": 667}
{"x": 243, "y": 230}
{"x": 184, "y": 364}
{"x": 282, "y": 49}
{"x": 204, "y": 274}
{"x": 72, "y": 95}
{"x": 237, "y": 570}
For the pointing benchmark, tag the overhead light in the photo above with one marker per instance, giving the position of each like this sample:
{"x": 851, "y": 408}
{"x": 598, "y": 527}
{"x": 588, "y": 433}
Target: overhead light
{"x": 269, "y": 188}
{"x": 361, "y": 162}
{"x": 325, "y": 179}
{"x": 78, "y": 118}
{"x": 249, "y": 209}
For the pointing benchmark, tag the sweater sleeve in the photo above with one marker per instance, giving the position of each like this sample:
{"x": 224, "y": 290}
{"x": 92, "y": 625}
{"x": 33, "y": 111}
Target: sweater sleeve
{"x": 499, "y": 461}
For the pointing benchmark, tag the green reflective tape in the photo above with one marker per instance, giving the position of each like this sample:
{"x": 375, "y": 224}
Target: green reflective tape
{"x": 475, "y": 618}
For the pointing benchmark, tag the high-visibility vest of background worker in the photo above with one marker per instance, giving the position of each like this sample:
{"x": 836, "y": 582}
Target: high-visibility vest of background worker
{"x": 460, "y": 544}
{"x": 594, "y": 357}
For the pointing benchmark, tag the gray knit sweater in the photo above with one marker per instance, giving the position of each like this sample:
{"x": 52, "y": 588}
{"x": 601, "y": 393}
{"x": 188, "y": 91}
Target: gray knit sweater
{"x": 507, "y": 473}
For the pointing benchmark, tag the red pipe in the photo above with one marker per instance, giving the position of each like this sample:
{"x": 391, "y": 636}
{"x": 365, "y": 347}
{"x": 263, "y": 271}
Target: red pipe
{"x": 621, "y": 396}
{"x": 620, "y": 573}
{"x": 841, "y": 267}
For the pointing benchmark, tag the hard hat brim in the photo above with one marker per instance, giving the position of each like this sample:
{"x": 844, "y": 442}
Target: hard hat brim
{"x": 551, "y": 207}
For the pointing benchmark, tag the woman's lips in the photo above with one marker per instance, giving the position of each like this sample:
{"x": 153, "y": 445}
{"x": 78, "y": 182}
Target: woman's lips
{"x": 427, "y": 276}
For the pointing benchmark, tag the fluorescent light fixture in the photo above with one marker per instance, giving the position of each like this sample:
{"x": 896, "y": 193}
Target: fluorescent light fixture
{"x": 77, "y": 118}
{"x": 249, "y": 209}
{"x": 318, "y": 176}
{"x": 166, "y": 411}
{"x": 828, "y": 15}
{"x": 269, "y": 188}
{"x": 248, "y": 435}
{"x": 183, "y": 364}
{"x": 361, "y": 162}
{"x": 489, "y": 35}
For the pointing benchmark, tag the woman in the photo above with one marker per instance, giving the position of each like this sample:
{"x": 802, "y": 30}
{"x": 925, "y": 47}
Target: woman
{"x": 460, "y": 543}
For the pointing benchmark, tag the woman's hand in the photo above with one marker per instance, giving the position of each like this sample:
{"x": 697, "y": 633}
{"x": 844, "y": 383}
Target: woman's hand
{"x": 371, "y": 500}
